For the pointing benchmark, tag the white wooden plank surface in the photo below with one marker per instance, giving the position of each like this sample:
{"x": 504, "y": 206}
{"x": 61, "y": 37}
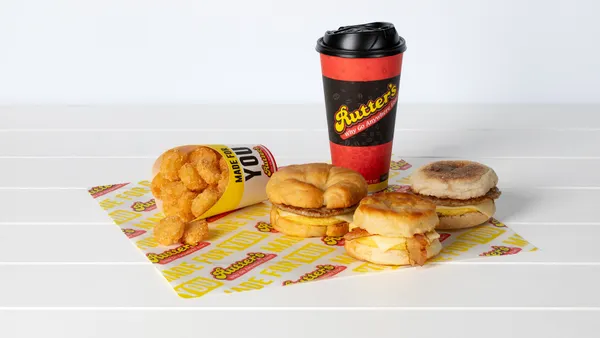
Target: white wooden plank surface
{"x": 546, "y": 156}
{"x": 78, "y": 243}
{"x": 409, "y": 143}
{"x": 85, "y": 172}
{"x": 309, "y": 117}
{"x": 515, "y": 205}
{"x": 456, "y": 285}
{"x": 302, "y": 323}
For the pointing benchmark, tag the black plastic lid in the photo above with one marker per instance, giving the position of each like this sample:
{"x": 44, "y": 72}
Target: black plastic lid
{"x": 371, "y": 40}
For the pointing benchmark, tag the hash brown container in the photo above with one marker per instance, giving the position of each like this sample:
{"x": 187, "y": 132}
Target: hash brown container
{"x": 250, "y": 168}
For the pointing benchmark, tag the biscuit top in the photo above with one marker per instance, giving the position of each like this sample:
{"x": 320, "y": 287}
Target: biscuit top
{"x": 316, "y": 185}
{"x": 395, "y": 214}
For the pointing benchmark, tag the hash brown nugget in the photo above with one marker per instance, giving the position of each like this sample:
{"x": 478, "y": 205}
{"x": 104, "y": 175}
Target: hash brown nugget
{"x": 169, "y": 230}
{"x": 209, "y": 171}
{"x": 158, "y": 183}
{"x": 205, "y": 200}
{"x": 223, "y": 182}
{"x": 223, "y": 165}
{"x": 190, "y": 177}
{"x": 202, "y": 154}
{"x": 195, "y": 232}
{"x": 172, "y": 161}
{"x": 172, "y": 191}
{"x": 183, "y": 207}
{"x": 171, "y": 209}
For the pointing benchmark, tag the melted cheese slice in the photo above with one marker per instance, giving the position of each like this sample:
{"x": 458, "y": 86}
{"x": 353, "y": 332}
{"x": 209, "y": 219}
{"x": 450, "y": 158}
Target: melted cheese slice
{"x": 487, "y": 208}
{"x": 391, "y": 243}
{"x": 324, "y": 221}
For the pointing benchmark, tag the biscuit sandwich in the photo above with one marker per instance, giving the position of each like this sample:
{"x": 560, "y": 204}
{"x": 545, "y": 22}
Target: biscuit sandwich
{"x": 463, "y": 191}
{"x": 394, "y": 229}
{"x": 314, "y": 200}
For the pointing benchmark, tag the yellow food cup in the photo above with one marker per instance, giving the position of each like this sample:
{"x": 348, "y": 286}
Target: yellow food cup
{"x": 250, "y": 167}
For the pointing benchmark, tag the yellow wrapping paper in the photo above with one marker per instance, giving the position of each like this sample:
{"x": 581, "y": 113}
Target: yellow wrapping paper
{"x": 245, "y": 253}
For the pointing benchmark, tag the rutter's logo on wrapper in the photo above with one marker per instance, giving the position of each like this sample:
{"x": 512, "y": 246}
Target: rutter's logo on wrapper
{"x": 333, "y": 240}
{"x": 501, "y": 251}
{"x": 397, "y": 188}
{"x": 349, "y": 123}
{"x": 321, "y": 272}
{"x": 144, "y": 206}
{"x": 400, "y": 165}
{"x": 219, "y": 216}
{"x": 176, "y": 253}
{"x": 104, "y": 189}
{"x": 443, "y": 236}
{"x": 242, "y": 266}
{"x": 132, "y": 233}
{"x": 265, "y": 227}
{"x": 497, "y": 223}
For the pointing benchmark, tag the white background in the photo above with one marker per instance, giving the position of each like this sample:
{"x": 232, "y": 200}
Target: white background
{"x": 67, "y": 271}
{"x": 150, "y": 51}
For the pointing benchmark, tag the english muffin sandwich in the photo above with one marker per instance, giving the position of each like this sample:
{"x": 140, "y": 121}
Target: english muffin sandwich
{"x": 314, "y": 200}
{"x": 463, "y": 191}
{"x": 394, "y": 229}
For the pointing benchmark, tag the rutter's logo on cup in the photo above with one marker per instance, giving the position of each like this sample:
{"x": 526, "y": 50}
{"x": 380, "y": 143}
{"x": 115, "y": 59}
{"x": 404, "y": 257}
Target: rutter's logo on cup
{"x": 144, "y": 206}
{"x": 349, "y": 123}
{"x": 242, "y": 266}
